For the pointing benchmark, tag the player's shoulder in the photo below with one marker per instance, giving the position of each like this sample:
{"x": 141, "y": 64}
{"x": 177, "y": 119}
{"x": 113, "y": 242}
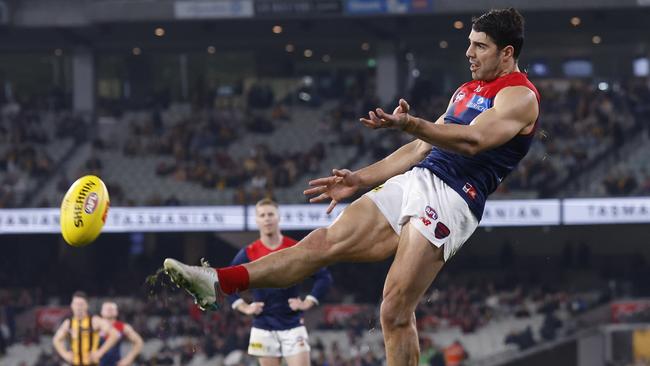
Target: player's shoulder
{"x": 514, "y": 79}
{"x": 289, "y": 241}
{"x": 119, "y": 326}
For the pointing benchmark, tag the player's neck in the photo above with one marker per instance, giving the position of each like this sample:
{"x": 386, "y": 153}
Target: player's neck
{"x": 508, "y": 70}
{"x": 272, "y": 241}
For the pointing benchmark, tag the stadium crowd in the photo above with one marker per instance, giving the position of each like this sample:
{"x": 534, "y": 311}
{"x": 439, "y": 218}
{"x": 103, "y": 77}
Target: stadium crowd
{"x": 185, "y": 332}
{"x": 580, "y": 125}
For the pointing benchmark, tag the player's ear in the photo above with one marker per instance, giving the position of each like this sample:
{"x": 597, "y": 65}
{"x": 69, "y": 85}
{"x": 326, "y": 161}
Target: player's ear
{"x": 508, "y": 51}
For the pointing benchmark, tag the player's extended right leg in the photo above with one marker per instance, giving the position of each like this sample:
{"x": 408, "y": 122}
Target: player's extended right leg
{"x": 199, "y": 281}
{"x": 361, "y": 234}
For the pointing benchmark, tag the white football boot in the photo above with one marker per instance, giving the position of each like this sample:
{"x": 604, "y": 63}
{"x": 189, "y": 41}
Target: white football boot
{"x": 199, "y": 281}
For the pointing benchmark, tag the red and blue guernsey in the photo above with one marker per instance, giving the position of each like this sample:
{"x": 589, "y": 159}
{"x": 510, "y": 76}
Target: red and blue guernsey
{"x": 113, "y": 355}
{"x": 476, "y": 177}
{"x": 277, "y": 315}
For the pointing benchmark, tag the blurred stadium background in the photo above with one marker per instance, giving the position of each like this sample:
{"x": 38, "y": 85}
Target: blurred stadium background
{"x": 191, "y": 110}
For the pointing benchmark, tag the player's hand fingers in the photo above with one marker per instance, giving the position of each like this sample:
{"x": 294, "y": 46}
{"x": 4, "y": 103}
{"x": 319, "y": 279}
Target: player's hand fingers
{"x": 375, "y": 118}
{"x": 340, "y": 172}
{"x": 320, "y": 198}
{"x": 383, "y": 115}
{"x": 315, "y": 190}
{"x": 321, "y": 181}
{"x": 368, "y": 123}
{"x": 331, "y": 206}
{"x": 404, "y": 106}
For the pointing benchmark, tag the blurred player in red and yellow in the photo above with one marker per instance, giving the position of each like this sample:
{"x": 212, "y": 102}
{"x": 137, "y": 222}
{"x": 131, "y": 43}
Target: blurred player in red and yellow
{"x": 113, "y": 357}
{"x": 278, "y": 328}
{"x": 82, "y": 332}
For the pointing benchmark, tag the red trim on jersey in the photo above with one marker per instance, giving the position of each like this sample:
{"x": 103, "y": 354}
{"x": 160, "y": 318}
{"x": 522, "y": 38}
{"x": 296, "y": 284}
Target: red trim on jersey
{"x": 119, "y": 326}
{"x": 257, "y": 249}
{"x": 489, "y": 89}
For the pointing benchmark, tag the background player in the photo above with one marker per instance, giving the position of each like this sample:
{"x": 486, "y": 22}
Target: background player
{"x": 113, "y": 357}
{"x": 433, "y": 197}
{"x": 82, "y": 331}
{"x": 278, "y": 328}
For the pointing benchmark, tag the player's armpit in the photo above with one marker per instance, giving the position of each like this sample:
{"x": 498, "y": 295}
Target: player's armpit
{"x": 515, "y": 108}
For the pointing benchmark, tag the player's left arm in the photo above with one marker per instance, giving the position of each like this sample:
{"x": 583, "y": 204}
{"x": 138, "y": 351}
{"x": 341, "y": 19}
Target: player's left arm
{"x": 136, "y": 345}
{"x": 322, "y": 283}
{"x": 514, "y": 109}
{"x": 112, "y": 336}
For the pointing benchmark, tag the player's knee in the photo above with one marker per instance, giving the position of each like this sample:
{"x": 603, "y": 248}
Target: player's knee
{"x": 394, "y": 314}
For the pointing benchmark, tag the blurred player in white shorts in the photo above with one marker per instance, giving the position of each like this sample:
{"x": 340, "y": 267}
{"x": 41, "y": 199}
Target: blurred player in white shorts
{"x": 278, "y": 331}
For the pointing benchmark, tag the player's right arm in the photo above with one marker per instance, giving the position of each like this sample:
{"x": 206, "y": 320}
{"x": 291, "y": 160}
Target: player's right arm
{"x": 237, "y": 302}
{"x": 136, "y": 348}
{"x": 59, "y": 339}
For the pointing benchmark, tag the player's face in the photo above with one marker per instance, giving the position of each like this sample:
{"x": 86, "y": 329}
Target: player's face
{"x": 484, "y": 56}
{"x": 109, "y": 311}
{"x": 267, "y": 219}
{"x": 79, "y": 307}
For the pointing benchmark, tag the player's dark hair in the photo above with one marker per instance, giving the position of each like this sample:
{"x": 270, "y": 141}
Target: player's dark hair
{"x": 504, "y": 26}
{"x": 80, "y": 294}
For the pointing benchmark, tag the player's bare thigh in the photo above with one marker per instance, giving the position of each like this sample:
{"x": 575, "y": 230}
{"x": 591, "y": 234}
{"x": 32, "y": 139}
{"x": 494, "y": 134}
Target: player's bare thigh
{"x": 270, "y": 361}
{"x": 360, "y": 234}
{"x": 300, "y": 359}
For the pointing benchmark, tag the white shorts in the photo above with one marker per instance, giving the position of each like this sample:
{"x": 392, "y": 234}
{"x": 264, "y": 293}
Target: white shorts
{"x": 431, "y": 206}
{"x": 278, "y": 343}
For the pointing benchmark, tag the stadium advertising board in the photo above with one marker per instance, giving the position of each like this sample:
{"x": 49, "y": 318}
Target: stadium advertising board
{"x": 264, "y": 8}
{"x": 607, "y": 210}
{"x": 213, "y": 9}
{"x": 521, "y": 213}
{"x": 369, "y": 7}
{"x": 300, "y": 217}
{"x": 548, "y": 212}
{"x": 131, "y": 219}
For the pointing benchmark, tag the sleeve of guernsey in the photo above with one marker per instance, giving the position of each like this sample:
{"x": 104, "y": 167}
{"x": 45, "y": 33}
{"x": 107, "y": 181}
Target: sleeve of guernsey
{"x": 240, "y": 258}
{"x": 322, "y": 283}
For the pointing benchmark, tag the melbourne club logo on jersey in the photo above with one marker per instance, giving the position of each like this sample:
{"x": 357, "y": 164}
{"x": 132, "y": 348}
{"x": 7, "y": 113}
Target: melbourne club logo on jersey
{"x": 460, "y": 96}
{"x": 441, "y": 231}
{"x": 470, "y": 190}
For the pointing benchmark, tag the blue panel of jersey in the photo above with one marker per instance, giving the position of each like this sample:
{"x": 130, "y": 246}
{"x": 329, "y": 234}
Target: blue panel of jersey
{"x": 485, "y": 170}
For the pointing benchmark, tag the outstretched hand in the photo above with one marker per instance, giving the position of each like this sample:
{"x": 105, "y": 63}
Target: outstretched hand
{"x": 340, "y": 185}
{"x": 380, "y": 119}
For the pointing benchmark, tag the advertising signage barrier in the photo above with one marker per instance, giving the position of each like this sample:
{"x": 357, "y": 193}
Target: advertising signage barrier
{"x": 498, "y": 213}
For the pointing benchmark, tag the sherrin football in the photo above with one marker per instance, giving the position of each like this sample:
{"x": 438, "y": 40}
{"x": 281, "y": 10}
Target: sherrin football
{"x": 83, "y": 210}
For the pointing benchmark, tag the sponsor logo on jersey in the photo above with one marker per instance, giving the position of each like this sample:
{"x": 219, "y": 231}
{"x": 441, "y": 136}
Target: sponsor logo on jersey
{"x": 441, "y": 231}
{"x": 478, "y": 89}
{"x": 433, "y": 215}
{"x": 479, "y": 103}
{"x": 256, "y": 345}
{"x": 425, "y": 221}
{"x": 470, "y": 190}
